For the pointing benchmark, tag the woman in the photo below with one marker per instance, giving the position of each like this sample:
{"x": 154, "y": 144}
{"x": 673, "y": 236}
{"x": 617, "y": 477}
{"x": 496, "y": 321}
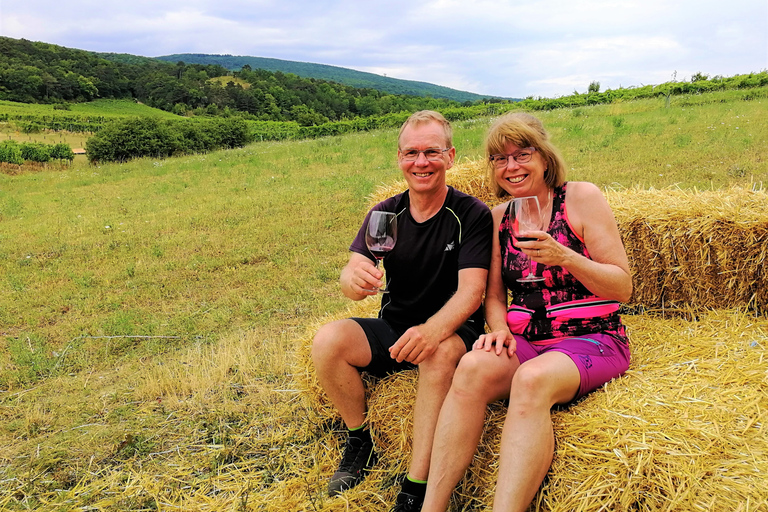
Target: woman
{"x": 536, "y": 354}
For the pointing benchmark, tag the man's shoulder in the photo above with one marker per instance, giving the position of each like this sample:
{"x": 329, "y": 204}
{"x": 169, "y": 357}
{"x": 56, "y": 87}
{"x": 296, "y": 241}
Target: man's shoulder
{"x": 466, "y": 201}
{"x": 391, "y": 202}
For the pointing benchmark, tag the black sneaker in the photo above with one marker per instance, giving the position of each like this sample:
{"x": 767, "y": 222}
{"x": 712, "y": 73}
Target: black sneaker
{"x": 408, "y": 503}
{"x": 357, "y": 460}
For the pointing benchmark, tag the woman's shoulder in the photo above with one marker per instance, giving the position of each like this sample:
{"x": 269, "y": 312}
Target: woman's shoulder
{"x": 498, "y": 211}
{"x": 500, "y": 207}
{"x": 585, "y": 200}
{"x": 583, "y": 192}
{"x": 582, "y": 187}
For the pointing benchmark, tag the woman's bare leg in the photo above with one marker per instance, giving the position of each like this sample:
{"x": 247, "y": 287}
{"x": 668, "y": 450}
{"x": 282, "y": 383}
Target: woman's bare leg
{"x": 527, "y": 441}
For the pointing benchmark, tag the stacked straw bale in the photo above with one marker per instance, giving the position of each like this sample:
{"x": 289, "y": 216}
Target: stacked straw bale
{"x": 695, "y": 249}
{"x": 684, "y": 429}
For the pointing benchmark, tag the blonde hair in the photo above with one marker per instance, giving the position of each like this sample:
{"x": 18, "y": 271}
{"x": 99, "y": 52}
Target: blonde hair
{"x": 428, "y": 116}
{"x": 524, "y": 131}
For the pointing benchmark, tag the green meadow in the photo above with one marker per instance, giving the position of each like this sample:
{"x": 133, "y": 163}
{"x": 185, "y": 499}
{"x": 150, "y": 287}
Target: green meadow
{"x": 152, "y": 307}
{"x": 97, "y": 108}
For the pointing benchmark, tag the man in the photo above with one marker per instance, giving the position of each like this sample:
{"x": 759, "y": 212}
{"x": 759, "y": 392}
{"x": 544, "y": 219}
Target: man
{"x": 430, "y": 317}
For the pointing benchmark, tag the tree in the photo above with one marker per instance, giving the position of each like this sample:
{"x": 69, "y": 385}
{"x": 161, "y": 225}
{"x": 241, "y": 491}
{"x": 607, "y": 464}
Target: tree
{"x": 305, "y": 116}
{"x": 699, "y": 76}
{"x": 593, "y": 87}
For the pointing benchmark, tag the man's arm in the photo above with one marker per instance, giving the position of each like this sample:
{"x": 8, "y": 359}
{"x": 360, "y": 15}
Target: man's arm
{"x": 420, "y": 341}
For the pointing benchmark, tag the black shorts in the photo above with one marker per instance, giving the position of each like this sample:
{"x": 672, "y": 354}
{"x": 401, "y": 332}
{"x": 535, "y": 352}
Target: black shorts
{"x": 381, "y": 336}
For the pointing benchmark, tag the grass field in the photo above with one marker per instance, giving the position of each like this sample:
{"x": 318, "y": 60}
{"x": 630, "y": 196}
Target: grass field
{"x": 97, "y": 108}
{"x": 149, "y": 309}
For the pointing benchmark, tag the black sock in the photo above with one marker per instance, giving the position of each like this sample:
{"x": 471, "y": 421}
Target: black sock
{"x": 414, "y": 488}
{"x": 361, "y": 433}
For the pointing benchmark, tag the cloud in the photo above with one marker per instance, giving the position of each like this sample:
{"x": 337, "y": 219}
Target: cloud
{"x": 499, "y": 47}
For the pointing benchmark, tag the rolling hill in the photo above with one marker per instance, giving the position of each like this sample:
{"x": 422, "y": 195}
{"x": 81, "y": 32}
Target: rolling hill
{"x": 341, "y": 75}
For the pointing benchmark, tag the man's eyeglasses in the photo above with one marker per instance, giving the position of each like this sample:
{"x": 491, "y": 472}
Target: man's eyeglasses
{"x": 431, "y": 154}
{"x": 522, "y": 157}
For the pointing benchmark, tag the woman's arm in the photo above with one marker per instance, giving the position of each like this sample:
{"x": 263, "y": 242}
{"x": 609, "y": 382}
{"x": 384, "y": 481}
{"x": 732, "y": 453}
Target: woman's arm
{"x": 606, "y": 274}
{"x": 496, "y": 299}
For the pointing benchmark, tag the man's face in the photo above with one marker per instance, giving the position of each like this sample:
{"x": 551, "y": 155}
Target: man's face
{"x": 421, "y": 174}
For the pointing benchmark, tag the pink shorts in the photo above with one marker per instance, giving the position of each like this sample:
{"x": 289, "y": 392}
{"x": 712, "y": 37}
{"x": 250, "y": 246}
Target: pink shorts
{"x": 599, "y": 357}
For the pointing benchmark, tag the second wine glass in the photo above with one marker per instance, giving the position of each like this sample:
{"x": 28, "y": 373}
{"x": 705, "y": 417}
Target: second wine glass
{"x": 525, "y": 215}
{"x": 380, "y": 237}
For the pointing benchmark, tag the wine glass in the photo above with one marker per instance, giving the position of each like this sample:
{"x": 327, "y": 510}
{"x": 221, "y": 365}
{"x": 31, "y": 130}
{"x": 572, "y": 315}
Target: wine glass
{"x": 525, "y": 215}
{"x": 380, "y": 237}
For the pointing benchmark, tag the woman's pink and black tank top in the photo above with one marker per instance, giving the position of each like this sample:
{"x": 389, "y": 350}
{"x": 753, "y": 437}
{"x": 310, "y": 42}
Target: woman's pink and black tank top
{"x": 560, "y": 306}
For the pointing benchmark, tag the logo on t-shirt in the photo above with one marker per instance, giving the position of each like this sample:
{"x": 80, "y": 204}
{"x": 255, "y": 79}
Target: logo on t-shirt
{"x": 451, "y": 246}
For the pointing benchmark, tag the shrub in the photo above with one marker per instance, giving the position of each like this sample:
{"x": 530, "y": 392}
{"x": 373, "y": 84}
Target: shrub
{"x": 62, "y": 151}
{"x": 148, "y": 137}
{"x": 10, "y": 152}
{"x": 31, "y": 127}
{"x": 35, "y": 152}
{"x": 229, "y": 133}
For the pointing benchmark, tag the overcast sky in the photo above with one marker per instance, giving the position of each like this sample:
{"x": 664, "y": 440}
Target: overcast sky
{"x": 504, "y": 48}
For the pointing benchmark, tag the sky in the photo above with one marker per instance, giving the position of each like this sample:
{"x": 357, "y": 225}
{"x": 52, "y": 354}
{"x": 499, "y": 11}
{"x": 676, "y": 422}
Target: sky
{"x": 512, "y": 49}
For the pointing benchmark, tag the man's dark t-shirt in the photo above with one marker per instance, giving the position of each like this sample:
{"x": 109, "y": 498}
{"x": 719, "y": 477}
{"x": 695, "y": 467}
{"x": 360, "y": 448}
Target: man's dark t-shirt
{"x": 423, "y": 269}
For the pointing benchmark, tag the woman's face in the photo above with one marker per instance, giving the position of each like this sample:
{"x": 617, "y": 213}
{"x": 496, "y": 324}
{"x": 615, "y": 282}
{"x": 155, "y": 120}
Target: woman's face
{"x": 521, "y": 179}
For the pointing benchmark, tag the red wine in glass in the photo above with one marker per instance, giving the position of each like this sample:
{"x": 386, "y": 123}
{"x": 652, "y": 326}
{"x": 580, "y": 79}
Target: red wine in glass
{"x": 380, "y": 237}
{"x": 525, "y": 215}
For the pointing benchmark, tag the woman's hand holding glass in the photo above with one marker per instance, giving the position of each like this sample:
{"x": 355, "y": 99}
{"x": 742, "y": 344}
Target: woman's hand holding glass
{"x": 526, "y": 216}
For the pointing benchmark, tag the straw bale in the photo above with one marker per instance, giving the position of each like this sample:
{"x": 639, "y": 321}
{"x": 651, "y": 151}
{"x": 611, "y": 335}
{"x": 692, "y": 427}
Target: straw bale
{"x": 684, "y": 429}
{"x": 686, "y": 249}
{"x": 695, "y": 249}
{"x": 304, "y": 372}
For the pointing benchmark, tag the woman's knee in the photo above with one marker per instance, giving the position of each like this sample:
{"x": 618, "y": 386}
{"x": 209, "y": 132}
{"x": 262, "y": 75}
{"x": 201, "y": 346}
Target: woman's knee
{"x": 536, "y": 385}
{"x": 529, "y": 377}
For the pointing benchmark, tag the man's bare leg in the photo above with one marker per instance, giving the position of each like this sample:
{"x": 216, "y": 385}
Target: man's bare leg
{"x": 481, "y": 378}
{"x": 435, "y": 377}
{"x": 338, "y": 350}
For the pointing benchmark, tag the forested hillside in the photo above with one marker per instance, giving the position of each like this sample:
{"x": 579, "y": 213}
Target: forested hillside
{"x": 36, "y": 72}
{"x": 341, "y": 75}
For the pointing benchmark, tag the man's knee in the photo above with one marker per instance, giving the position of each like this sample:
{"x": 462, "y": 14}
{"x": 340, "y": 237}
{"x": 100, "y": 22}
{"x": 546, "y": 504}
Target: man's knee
{"x": 328, "y": 340}
{"x": 445, "y": 358}
{"x": 480, "y": 371}
{"x": 342, "y": 340}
